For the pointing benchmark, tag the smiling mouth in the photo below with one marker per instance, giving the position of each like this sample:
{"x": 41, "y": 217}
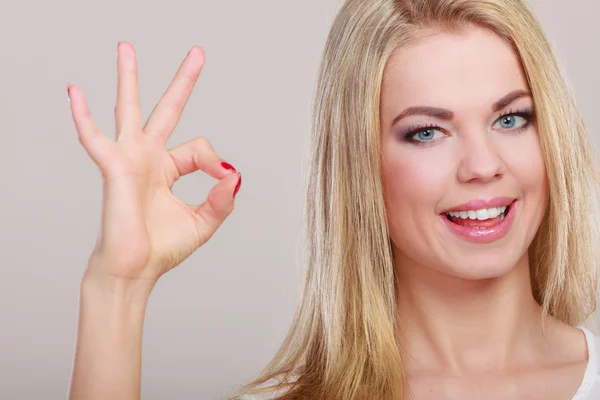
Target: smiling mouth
{"x": 482, "y": 218}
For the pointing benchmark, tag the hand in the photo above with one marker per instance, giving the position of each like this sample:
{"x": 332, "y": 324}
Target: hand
{"x": 145, "y": 229}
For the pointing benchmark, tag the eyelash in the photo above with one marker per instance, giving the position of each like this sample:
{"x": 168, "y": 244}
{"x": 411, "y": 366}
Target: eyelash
{"x": 415, "y": 129}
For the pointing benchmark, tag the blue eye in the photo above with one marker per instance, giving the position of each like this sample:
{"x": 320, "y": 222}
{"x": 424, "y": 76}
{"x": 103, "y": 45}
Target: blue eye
{"x": 423, "y": 134}
{"x": 426, "y": 135}
{"x": 510, "y": 121}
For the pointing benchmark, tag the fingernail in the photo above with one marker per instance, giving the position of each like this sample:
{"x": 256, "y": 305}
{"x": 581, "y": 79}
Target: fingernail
{"x": 228, "y": 166}
{"x": 239, "y": 184}
{"x": 69, "y": 92}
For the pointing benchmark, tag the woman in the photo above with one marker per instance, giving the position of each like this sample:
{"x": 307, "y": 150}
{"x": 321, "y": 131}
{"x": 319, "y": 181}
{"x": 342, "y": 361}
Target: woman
{"x": 451, "y": 216}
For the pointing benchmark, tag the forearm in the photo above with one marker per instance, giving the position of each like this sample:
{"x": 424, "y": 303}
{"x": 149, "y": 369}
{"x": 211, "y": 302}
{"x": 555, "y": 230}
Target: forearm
{"x": 108, "y": 353}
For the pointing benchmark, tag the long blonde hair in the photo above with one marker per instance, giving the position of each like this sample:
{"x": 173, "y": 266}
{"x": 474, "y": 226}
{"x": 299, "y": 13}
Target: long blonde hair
{"x": 343, "y": 344}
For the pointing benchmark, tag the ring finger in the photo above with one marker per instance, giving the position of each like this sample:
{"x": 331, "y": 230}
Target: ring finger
{"x": 168, "y": 110}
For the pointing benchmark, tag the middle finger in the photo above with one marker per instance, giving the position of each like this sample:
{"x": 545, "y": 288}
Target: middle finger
{"x": 127, "y": 110}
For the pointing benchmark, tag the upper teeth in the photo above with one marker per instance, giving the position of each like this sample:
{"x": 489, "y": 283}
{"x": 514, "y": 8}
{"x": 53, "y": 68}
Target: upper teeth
{"x": 482, "y": 214}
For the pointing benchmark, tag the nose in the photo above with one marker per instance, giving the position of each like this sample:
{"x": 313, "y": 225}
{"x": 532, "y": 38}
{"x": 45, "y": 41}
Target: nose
{"x": 480, "y": 161}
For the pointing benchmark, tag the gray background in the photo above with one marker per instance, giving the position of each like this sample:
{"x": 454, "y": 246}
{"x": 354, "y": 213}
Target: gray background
{"x": 216, "y": 320}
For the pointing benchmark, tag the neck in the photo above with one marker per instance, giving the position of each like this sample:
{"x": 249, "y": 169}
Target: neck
{"x": 466, "y": 325}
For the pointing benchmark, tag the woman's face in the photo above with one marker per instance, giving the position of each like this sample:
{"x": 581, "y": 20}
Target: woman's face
{"x": 458, "y": 136}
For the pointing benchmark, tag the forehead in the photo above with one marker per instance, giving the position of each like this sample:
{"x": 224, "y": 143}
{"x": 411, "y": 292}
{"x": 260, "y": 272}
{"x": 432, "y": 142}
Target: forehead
{"x": 470, "y": 68}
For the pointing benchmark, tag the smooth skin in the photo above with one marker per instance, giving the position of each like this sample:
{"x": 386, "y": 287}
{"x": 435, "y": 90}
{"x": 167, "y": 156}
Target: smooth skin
{"x": 145, "y": 229}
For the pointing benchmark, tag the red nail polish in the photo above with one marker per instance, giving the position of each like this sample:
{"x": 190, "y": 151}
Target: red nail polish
{"x": 69, "y": 92}
{"x": 237, "y": 187}
{"x": 228, "y": 166}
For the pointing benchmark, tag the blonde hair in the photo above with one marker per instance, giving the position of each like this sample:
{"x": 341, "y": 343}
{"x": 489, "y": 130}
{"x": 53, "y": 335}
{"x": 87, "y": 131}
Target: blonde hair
{"x": 343, "y": 344}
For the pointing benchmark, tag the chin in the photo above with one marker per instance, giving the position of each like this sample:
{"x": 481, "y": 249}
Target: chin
{"x": 483, "y": 266}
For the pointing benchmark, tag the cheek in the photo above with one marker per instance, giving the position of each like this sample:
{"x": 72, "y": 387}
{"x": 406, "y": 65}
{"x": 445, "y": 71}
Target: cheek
{"x": 526, "y": 164}
{"x": 416, "y": 178}
{"x": 415, "y": 181}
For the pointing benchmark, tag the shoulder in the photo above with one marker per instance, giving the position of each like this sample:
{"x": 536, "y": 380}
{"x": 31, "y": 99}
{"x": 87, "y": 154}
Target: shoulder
{"x": 590, "y": 386}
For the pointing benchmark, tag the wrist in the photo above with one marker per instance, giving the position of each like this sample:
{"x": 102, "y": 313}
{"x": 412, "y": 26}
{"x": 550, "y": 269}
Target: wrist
{"x": 128, "y": 290}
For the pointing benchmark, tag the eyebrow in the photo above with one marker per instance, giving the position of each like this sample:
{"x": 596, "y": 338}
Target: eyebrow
{"x": 444, "y": 114}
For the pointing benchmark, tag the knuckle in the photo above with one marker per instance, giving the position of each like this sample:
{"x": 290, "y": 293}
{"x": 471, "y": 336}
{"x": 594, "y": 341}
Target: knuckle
{"x": 229, "y": 209}
{"x": 202, "y": 142}
{"x": 176, "y": 106}
{"x": 85, "y": 114}
{"x": 82, "y": 140}
{"x": 189, "y": 80}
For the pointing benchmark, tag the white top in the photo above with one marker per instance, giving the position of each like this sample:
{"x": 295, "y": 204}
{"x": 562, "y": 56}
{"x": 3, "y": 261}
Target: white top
{"x": 590, "y": 385}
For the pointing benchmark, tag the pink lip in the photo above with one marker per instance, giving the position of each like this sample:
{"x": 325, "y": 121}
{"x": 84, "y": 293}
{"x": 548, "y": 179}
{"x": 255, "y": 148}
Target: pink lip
{"x": 480, "y": 204}
{"x": 484, "y": 235}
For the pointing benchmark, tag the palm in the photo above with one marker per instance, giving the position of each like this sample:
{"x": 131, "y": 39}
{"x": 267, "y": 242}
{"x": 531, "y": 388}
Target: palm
{"x": 146, "y": 229}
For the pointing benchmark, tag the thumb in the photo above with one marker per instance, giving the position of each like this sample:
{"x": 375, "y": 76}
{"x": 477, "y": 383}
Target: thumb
{"x": 219, "y": 203}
